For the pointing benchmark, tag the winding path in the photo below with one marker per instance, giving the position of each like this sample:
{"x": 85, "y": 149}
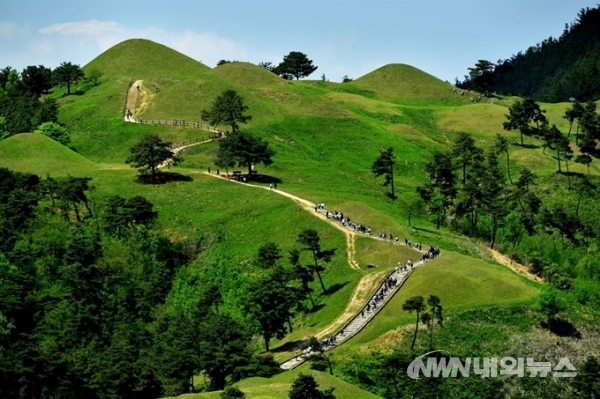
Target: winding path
{"x": 355, "y": 317}
{"x": 348, "y": 324}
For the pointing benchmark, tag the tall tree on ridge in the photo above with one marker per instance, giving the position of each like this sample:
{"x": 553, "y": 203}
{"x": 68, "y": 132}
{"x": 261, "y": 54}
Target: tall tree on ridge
{"x": 228, "y": 108}
{"x": 482, "y": 76}
{"x": 67, "y": 74}
{"x": 296, "y": 64}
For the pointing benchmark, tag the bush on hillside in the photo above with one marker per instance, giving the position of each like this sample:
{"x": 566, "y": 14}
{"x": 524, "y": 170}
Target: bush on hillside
{"x": 55, "y": 131}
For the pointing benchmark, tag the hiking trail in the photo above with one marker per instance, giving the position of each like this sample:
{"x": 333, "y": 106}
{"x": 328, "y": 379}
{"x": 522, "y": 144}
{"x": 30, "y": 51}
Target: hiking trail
{"x": 356, "y": 316}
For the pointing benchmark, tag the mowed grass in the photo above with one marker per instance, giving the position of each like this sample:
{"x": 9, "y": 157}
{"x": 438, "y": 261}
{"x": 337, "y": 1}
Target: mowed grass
{"x": 460, "y": 282}
{"x": 381, "y": 254}
{"x": 238, "y": 218}
{"x": 405, "y": 84}
{"x": 277, "y": 387}
{"x": 39, "y": 154}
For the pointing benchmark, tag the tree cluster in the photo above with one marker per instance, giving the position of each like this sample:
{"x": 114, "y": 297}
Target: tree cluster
{"x": 470, "y": 191}
{"x": 554, "y": 70}
{"x": 21, "y": 105}
{"x": 430, "y": 317}
{"x": 84, "y": 300}
{"x": 273, "y": 299}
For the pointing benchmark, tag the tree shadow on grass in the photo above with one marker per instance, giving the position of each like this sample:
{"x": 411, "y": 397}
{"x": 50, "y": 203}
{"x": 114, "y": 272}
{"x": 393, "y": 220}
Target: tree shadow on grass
{"x": 290, "y": 346}
{"x": 265, "y": 179}
{"x": 163, "y": 178}
{"x": 570, "y": 173}
{"x": 426, "y": 230}
{"x": 562, "y": 328}
{"x": 316, "y": 308}
{"x": 526, "y": 146}
{"x": 335, "y": 288}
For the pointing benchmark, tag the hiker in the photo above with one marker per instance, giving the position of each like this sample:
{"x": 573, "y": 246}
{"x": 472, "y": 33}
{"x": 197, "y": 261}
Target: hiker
{"x": 274, "y": 186}
{"x": 271, "y": 186}
{"x": 218, "y": 174}
{"x": 209, "y": 170}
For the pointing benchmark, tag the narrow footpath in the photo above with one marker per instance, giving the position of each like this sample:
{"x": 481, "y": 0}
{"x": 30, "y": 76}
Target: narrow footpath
{"x": 367, "y": 312}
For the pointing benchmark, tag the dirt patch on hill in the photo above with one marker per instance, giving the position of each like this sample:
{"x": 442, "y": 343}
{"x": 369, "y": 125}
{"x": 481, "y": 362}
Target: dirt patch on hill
{"x": 516, "y": 267}
{"x": 138, "y": 98}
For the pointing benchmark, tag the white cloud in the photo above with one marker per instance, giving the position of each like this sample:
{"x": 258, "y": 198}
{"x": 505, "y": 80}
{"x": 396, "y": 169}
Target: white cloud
{"x": 92, "y": 27}
{"x": 83, "y": 40}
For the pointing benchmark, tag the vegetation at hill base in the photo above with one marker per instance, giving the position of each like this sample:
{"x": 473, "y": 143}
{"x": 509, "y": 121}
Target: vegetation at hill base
{"x": 110, "y": 288}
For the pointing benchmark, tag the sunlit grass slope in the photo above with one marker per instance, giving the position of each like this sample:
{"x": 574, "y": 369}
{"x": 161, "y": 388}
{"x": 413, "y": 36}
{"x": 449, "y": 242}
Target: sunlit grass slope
{"x": 407, "y": 85}
{"x": 460, "y": 282}
{"x": 93, "y": 114}
{"x": 143, "y": 59}
{"x": 39, "y": 154}
{"x": 277, "y": 387}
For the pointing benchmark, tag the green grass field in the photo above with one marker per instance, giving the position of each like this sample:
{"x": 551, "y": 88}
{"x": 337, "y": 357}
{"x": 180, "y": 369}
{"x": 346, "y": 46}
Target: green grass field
{"x": 277, "y": 387}
{"x": 460, "y": 282}
{"x": 326, "y": 136}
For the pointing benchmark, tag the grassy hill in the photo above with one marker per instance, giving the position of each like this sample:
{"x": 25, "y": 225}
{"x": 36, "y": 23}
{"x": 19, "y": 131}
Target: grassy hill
{"x": 326, "y": 136}
{"x": 39, "y": 154}
{"x": 460, "y": 282}
{"x": 143, "y": 59}
{"x": 277, "y": 387}
{"x": 407, "y": 85}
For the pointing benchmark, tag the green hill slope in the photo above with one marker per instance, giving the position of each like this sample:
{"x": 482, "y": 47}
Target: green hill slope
{"x": 36, "y": 153}
{"x": 405, "y": 84}
{"x": 141, "y": 58}
{"x": 277, "y": 387}
{"x": 460, "y": 282}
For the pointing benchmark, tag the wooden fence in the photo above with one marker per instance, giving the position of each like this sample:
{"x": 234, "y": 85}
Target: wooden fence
{"x": 177, "y": 122}
{"x": 213, "y": 136}
{"x": 126, "y": 96}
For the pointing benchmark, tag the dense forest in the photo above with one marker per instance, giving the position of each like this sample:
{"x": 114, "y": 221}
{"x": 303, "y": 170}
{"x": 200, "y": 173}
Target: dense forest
{"x": 547, "y": 223}
{"x": 554, "y": 70}
{"x": 89, "y": 303}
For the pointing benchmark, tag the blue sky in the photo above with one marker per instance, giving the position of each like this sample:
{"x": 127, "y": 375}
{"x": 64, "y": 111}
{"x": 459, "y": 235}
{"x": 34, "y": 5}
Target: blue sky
{"x": 441, "y": 37}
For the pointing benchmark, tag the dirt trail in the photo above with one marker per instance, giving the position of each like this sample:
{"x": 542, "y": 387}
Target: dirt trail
{"x": 138, "y": 99}
{"x": 351, "y": 250}
{"x": 362, "y": 293}
{"x": 514, "y": 266}
{"x": 309, "y": 207}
